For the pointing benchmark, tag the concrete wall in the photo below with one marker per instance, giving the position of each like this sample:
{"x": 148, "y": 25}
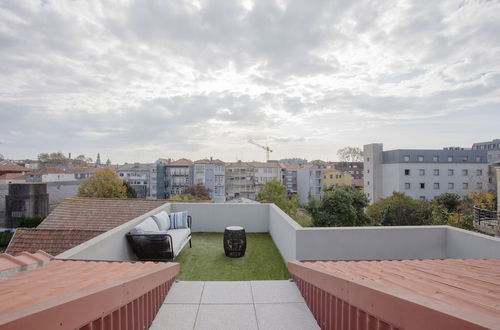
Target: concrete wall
{"x": 111, "y": 245}
{"x": 210, "y": 217}
{"x": 283, "y": 230}
{"x": 465, "y": 244}
{"x": 4, "y": 191}
{"x": 58, "y": 191}
{"x": 371, "y": 243}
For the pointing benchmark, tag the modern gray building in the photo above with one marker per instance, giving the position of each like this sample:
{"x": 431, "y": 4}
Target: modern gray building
{"x": 423, "y": 174}
{"x": 211, "y": 174}
{"x": 142, "y": 177}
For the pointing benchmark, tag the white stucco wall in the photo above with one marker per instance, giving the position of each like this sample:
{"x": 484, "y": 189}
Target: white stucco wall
{"x": 283, "y": 230}
{"x": 465, "y": 244}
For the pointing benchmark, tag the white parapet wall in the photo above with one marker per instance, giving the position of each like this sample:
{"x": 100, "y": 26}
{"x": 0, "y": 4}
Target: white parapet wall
{"x": 298, "y": 243}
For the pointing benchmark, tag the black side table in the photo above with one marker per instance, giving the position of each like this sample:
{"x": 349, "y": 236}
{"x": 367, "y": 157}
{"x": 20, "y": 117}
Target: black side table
{"x": 235, "y": 241}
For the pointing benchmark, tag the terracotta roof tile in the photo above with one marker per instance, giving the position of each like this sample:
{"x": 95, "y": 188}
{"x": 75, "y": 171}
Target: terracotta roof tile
{"x": 181, "y": 162}
{"x": 8, "y": 261}
{"x": 101, "y": 214}
{"x": 54, "y": 241}
{"x": 472, "y": 284}
{"x": 78, "y": 169}
{"x": 48, "y": 170}
{"x": 60, "y": 278}
{"x": 13, "y": 168}
{"x": 209, "y": 161}
{"x": 13, "y": 176}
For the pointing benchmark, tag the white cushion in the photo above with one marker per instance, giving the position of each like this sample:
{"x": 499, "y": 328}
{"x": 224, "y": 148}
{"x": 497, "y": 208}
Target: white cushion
{"x": 162, "y": 220}
{"x": 147, "y": 225}
{"x": 179, "y": 238}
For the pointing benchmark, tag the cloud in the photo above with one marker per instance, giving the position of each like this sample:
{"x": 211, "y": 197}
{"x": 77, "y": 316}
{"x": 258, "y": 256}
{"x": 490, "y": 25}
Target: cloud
{"x": 142, "y": 80}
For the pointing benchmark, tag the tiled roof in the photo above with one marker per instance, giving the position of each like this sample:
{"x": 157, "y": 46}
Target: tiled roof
{"x": 470, "y": 284}
{"x": 13, "y": 176}
{"x": 295, "y": 166}
{"x": 13, "y": 168}
{"x": 53, "y": 241}
{"x": 78, "y": 169}
{"x": 68, "y": 294}
{"x": 135, "y": 167}
{"x": 181, "y": 162}
{"x": 97, "y": 213}
{"x": 209, "y": 161}
{"x": 8, "y": 261}
{"x": 48, "y": 170}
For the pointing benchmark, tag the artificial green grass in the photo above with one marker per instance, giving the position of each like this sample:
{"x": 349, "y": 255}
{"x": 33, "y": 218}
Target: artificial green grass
{"x": 206, "y": 260}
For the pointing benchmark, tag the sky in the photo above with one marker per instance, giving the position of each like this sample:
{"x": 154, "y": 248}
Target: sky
{"x": 140, "y": 80}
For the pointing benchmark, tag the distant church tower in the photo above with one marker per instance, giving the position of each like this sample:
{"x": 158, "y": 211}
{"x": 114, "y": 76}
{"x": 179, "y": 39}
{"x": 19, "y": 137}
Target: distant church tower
{"x": 108, "y": 163}
{"x": 98, "y": 160}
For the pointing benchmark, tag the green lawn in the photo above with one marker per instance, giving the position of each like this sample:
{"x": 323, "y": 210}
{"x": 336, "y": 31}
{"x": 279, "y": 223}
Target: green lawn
{"x": 206, "y": 260}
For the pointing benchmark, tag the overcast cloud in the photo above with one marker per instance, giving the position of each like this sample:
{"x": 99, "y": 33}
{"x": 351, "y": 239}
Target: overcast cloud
{"x": 140, "y": 80}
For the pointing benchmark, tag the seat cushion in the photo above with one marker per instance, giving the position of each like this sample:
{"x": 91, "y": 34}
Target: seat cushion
{"x": 148, "y": 225}
{"x": 179, "y": 220}
{"x": 179, "y": 238}
{"x": 162, "y": 220}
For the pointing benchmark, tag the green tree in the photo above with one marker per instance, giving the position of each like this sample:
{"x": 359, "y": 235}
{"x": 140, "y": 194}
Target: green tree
{"x": 53, "y": 159}
{"x": 400, "y": 210}
{"x": 104, "y": 184}
{"x": 31, "y": 222}
{"x": 449, "y": 201}
{"x": 82, "y": 160}
{"x": 275, "y": 192}
{"x": 340, "y": 207}
{"x": 198, "y": 191}
{"x": 131, "y": 193}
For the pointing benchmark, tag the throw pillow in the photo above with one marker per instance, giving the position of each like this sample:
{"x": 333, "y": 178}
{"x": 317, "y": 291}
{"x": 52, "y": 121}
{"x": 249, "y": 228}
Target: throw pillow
{"x": 162, "y": 220}
{"x": 147, "y": 225}
{"x": 179, "y": 220}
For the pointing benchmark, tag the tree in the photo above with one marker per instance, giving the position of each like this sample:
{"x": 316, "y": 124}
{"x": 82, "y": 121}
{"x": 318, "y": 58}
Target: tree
{"x": 31, "y": 222}
{"x": 340, "y": 207}
{"x": 104, "y": 184}
{"x": 275, "y": 192}
{"x": 82, "y": 160}
{"x": 448, "y": 200}
{"x": 53, "y": 159}
{"x": 130, "y": 191}
{"x": 199, "y": 191}
{"x": 400, "y": 210}
{"x": 350, "y": 154}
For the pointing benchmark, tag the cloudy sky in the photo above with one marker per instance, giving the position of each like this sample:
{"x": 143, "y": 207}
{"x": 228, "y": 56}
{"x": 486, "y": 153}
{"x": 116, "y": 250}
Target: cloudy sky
{"x": 139, "y": 80}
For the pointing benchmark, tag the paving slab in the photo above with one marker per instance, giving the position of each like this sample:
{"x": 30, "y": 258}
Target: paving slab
{"x": 230, "y": 317}
{"x": 275, "y": 292}
{"x": 288, "y": 316}
{"x": 175, "y": 316}
{"x": 185, "y": 292}
{"x": 227, "y": 293}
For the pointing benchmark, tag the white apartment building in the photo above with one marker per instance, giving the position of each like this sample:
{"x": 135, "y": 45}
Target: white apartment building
{"x": 139, "y": 176}
{"x": 423, "y": 174}
{"x": 245, "y": 179}
{"x": 310, "y": 183}
{"x": 211, "y": 174}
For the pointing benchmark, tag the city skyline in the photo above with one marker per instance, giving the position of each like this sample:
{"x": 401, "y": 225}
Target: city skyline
{"x": 140, "y": 81}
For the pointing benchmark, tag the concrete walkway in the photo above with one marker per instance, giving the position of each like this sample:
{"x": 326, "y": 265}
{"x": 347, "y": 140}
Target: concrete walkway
{"x": 234, "y": 305}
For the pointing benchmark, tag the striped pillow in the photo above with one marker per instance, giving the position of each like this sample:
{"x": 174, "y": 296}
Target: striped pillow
{"x": 179, "y": 220}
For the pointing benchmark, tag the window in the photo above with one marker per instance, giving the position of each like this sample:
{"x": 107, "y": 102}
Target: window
{"x": 436, "y": 172}
{"x": 450, "y": 172}
{"x": 465, "y": 185}
{"x": 479, "y": 186}
{"x": 407, "y": 185}
{"x": 422, "y": 185}
{"x": 420, "y": 158}
{"x": 368, "y": 171}
{"x": 421, "y": 171}
{"x": 422, "y": 198}
{"x": 479, "y": 172}
{"x": 465, "y": 172}
{"x": 465, "y": 158}
{"x": 450, "y": 159}
{"x": 436, "y": 185}
{"x": 367, "y": 159}
{"x": 451, "y": 185}
{"x": 478, "y": 159}
{"x": 407, "y": 171}
{"x": 406, "y": 158}
{"x": 435, "y": 159}
{"x": 367, "y": 183}
{"x": 331, "y": 176}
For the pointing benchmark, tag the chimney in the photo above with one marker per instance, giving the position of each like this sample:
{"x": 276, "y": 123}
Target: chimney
{"x": 69, "y": 155}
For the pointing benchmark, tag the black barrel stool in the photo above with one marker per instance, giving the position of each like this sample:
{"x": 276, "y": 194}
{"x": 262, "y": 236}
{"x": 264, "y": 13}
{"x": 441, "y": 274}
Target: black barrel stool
{"x": 235, "y": 241}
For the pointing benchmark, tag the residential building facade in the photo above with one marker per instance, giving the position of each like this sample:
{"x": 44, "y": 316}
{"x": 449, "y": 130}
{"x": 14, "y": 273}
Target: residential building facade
{"x": 178, "y": 176}
{"x": 245, "y": 179}
{"x": 423, "y": 174}
{"x": 310, "y": 183}
{"x": 335, "y": 178}
{"x": 211, "y": 174}
{"x": 493, "y": 149}
{"x": 355, "y": 169}
{"x": 139, "y": 177}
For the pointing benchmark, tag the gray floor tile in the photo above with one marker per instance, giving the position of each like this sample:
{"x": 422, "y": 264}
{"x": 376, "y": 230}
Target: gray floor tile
{"x": 221, "y": 317}
{"x": 285, "y": 316}
{"x": 227, "y": 293}
{"x": 276, "y": 292}
{"x": 185, "y": 292}
{"x": 175, "y": 316}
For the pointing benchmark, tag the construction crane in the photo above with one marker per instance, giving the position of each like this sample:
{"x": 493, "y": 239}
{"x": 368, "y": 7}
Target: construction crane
{"x": 266, "y": 148}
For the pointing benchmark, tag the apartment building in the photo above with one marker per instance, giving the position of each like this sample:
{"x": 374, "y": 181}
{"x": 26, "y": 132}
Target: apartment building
{"x": 245, "y": 179}
{"x": 355, "y": 169}
{"x": 211, "y": 174}
{"x": 335, "y": 178}
{"x": 179, "y": 174}
{"x": 423, "y": 174}
{"x": 141, "y": 177}
{"x": 310, "y": 183}
{"x": 493, "y": 149}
